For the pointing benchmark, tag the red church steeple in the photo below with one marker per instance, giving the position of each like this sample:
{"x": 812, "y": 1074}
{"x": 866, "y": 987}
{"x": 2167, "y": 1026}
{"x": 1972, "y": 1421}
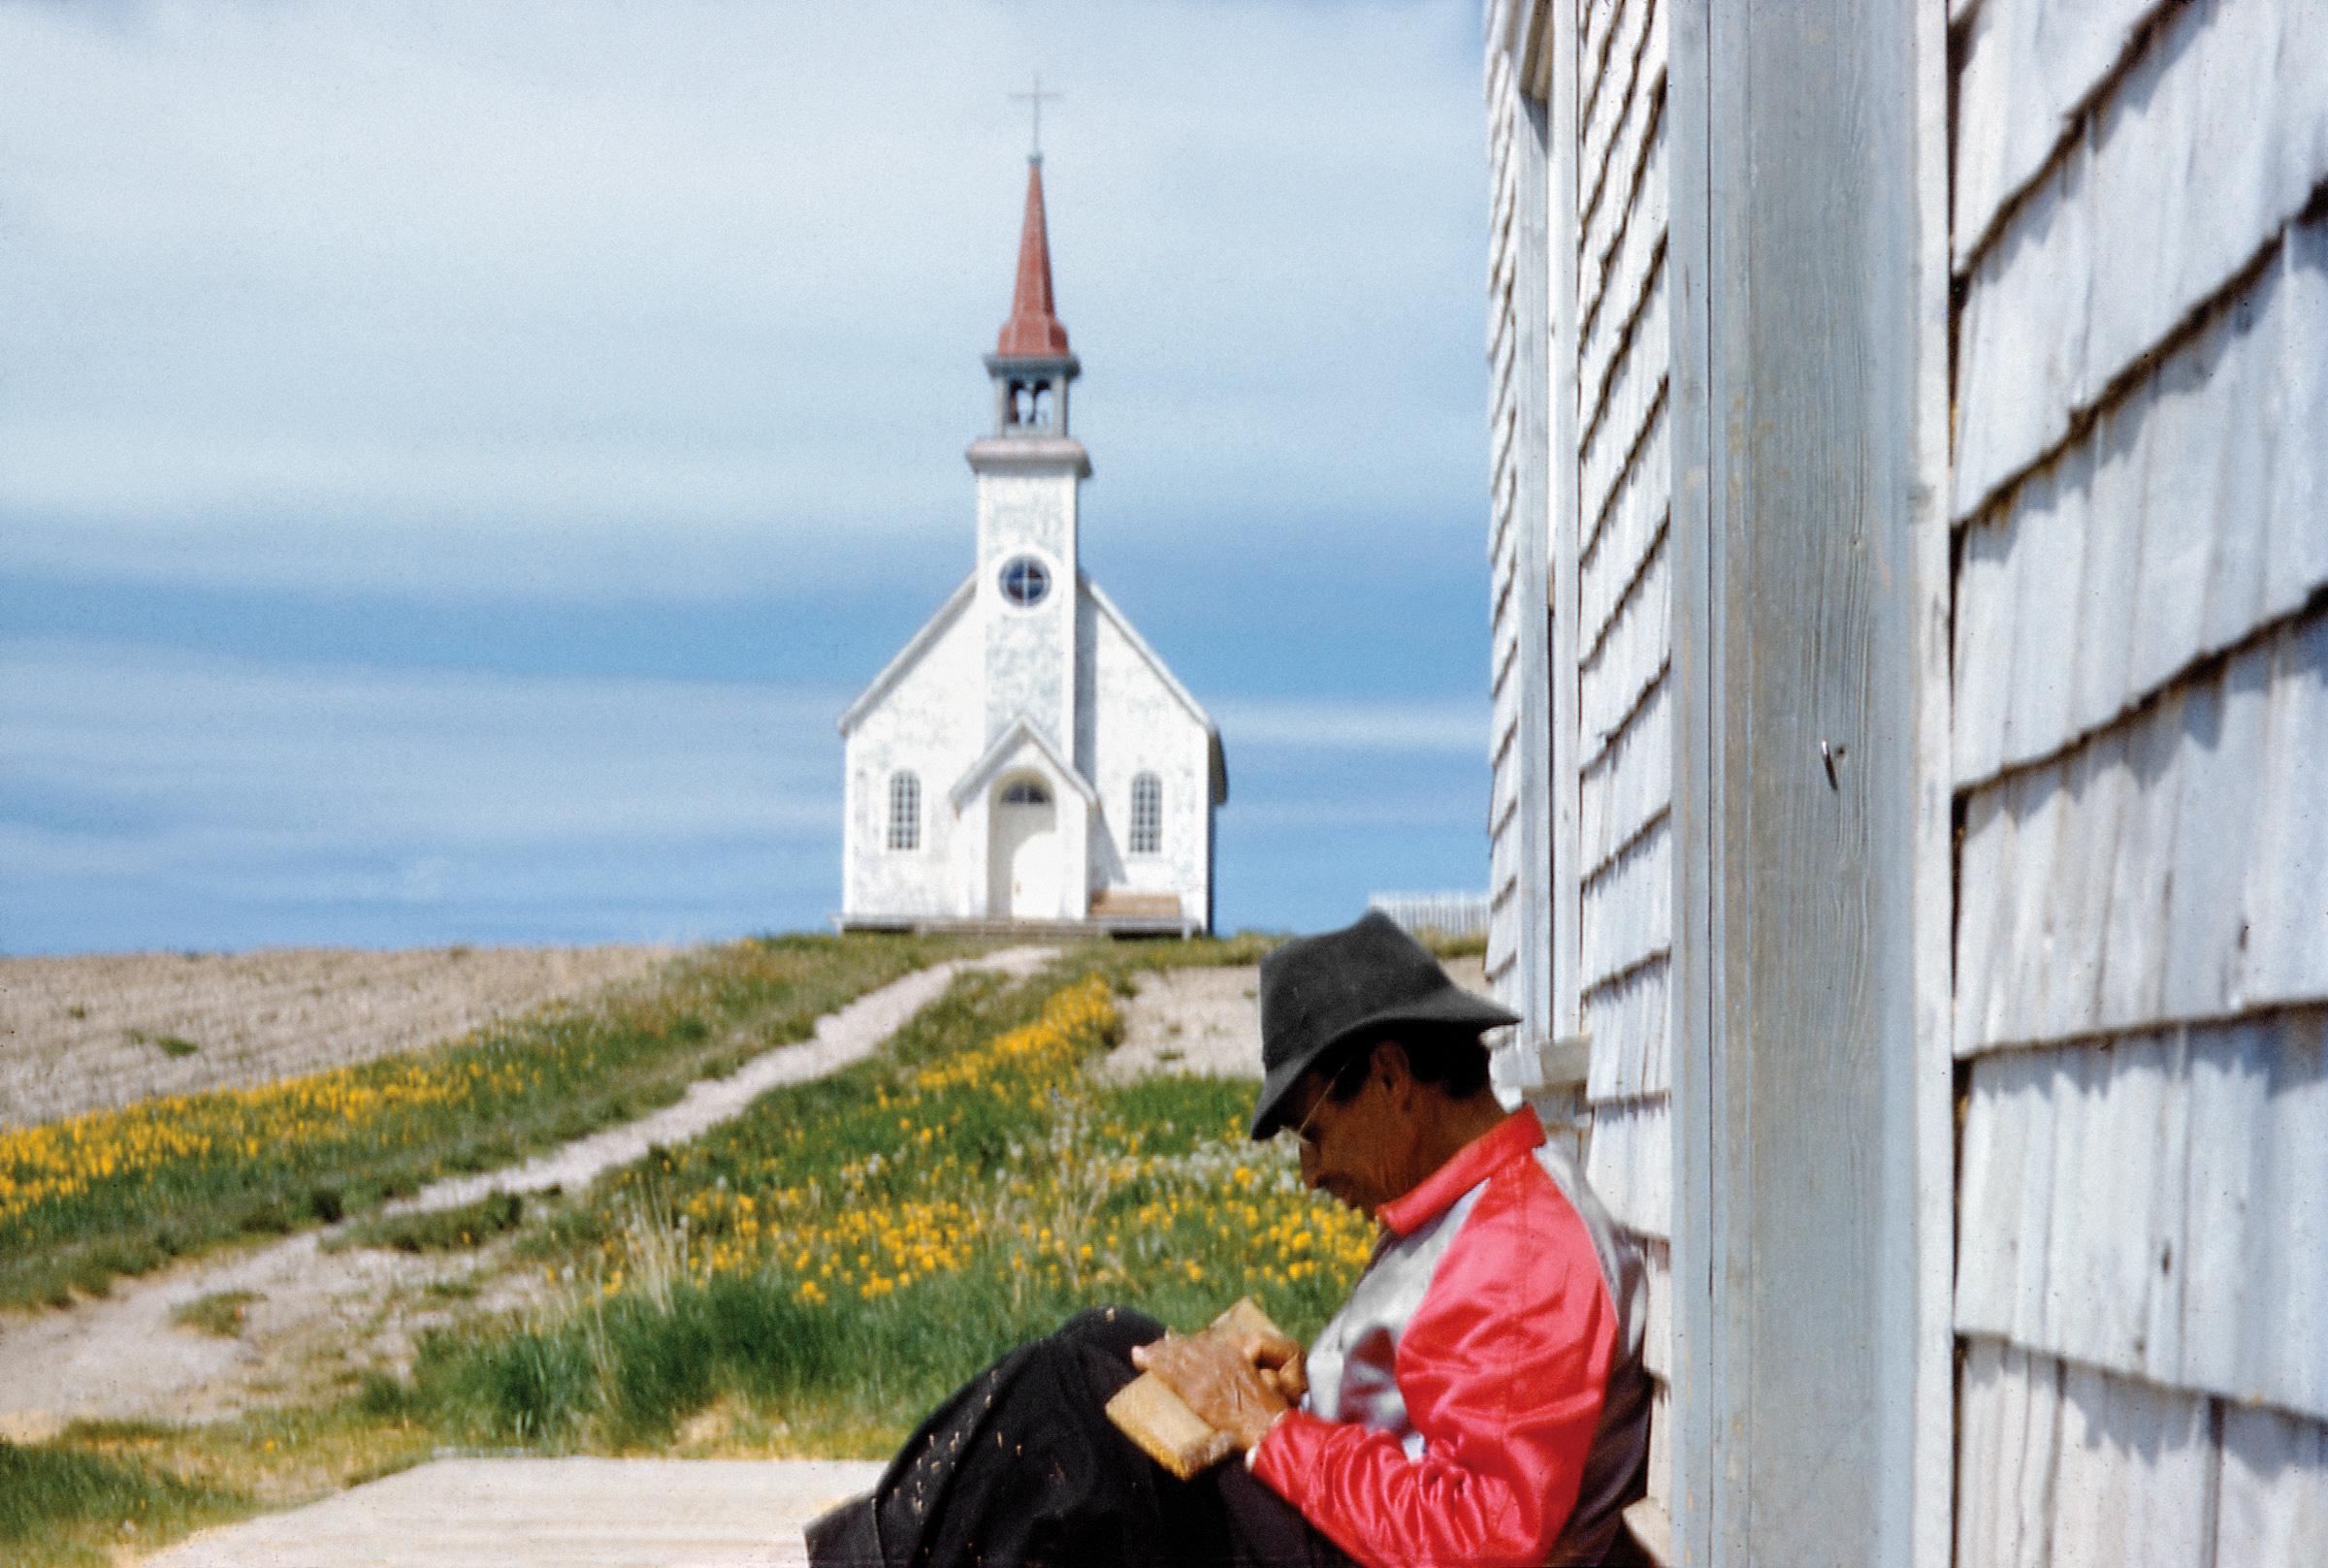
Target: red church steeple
{"x": 1034, "y": 330}
{"x": 1031, "y": 363}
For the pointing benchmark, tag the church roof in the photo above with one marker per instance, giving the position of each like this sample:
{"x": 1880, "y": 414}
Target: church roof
{"x": 1034, "y": 330}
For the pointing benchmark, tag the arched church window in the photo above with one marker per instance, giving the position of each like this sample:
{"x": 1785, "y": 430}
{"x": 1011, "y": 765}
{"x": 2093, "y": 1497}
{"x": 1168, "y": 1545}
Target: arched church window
{"x": 1025, "y": 792}
{"x": 1022, "y": 403}
{"x": 1041, "y": 408}
{"x": 1147, "y": 815}
{"x": 1025, "y": 580}
{"x": 905, "y": 811}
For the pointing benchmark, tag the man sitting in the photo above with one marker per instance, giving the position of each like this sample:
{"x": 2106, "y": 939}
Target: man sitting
{"x": 1478, "y": 1399}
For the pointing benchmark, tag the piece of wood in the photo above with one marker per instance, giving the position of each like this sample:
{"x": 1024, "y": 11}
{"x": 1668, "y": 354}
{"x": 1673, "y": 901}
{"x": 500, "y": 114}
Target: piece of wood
{"x": 1148, "y": 1411}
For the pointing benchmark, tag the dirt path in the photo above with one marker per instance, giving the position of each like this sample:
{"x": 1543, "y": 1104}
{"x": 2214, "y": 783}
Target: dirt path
{"x": 1207, "y": 1021}
{"x": 317, "y": 1320}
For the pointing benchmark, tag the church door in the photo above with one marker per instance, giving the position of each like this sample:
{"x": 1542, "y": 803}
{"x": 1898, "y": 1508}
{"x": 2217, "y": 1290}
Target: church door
{"x": 1022, "y": 853}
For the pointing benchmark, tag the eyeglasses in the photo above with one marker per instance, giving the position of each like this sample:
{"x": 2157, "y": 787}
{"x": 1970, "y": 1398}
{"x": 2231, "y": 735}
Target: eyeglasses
{"x": 1301, "y": 1134}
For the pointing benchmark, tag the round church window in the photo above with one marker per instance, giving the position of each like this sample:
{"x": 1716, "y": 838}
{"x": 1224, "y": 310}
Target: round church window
{"x": 1025, "y": 580}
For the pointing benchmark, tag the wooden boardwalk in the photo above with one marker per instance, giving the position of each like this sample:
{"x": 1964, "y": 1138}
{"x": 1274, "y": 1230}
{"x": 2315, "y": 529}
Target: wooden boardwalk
{"x": 573, "y": 1513}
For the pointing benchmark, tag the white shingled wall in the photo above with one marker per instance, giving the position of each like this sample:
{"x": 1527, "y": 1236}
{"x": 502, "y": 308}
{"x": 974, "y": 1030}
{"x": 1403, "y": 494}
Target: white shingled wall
{"x": 2141, "y": 728}
{"x": 1624, "y": 752}
{"x": 1608, "y": 358}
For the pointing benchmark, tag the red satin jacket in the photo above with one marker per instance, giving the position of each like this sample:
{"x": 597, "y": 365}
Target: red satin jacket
{"x": 1479, "y": 1398}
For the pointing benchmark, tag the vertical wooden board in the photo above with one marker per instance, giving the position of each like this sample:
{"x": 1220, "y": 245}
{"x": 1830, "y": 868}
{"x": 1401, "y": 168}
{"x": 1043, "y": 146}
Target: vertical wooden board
{"x": 2173, "y": 190}
{"x": 2254, "y": 1238}
{"x": 2138, "y": 921}
{"x": 2134, "y": 1481}
{"x": 2008, "y": 1430}
{"x": 2274, "y": 1503}
{"x": 1660, "y": 1447}
{"x": 2028, "y": 63}
{"x": 1657, "y": 1337}
{"x": 2284, "y": 938}
{"x": 2219, "y": 763}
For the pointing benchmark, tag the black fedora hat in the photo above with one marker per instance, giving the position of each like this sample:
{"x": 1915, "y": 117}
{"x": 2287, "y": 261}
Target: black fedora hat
{"x": 1318, "y": 992}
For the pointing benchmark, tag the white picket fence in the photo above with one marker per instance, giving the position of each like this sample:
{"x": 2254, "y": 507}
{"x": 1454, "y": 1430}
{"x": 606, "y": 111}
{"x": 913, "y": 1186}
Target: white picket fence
{"x": 1443, "y": 915}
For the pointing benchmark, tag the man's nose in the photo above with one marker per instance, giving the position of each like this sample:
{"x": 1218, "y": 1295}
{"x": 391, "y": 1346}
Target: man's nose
{"x": 1309, "y": 1159}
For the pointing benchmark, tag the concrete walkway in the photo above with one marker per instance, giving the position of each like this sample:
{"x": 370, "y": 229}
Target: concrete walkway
{"x": 579, "y": 1513}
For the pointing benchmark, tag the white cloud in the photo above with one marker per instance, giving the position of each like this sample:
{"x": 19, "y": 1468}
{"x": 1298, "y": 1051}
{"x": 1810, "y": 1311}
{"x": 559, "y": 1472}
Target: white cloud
{"x": 1452, "y": 726}
{"x": 288, "y": 273}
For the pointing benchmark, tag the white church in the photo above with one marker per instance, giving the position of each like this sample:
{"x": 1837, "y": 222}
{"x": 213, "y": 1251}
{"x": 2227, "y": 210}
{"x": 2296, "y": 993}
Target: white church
{"x": 1027, "y": 757}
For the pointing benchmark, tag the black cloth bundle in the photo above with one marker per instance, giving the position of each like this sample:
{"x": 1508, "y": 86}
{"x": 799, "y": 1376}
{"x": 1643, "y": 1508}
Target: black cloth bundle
{"x": 1021, "y": 1468}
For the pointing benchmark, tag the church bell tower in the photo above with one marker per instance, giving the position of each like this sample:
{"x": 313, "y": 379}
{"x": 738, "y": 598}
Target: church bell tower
{"x": 1030, "y": 473}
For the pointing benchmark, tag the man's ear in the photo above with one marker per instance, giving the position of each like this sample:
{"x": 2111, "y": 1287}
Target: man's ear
{"x": 1390, "y": 1065}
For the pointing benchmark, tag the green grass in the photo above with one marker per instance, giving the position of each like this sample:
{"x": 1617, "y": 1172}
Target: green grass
{"x": 440, "y": 1229}
{"x": 218, "y": 1313}
{"x": 60, "y": 1504}
{"x": 1137, "y": 1191}
{"x": 123, "y": 1192}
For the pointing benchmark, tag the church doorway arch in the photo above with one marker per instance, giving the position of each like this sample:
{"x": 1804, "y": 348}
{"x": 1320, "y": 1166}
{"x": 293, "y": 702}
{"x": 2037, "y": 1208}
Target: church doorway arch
{"x": 1022, "y": 850}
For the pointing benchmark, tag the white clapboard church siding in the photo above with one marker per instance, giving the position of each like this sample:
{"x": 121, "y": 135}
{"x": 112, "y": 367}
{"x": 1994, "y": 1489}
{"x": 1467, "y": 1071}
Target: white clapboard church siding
{"x": 1027, "y": 756}
{"x": 1909, "y": 836}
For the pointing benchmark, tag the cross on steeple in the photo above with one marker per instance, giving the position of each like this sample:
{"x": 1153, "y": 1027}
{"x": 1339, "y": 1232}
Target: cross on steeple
{"x": 1034, "y": 97}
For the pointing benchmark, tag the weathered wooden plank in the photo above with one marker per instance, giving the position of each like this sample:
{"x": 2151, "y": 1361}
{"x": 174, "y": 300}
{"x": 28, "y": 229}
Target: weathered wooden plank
{"x": 1657, "y": 1336}
{"x": 1627, "y": 1017}
{"x": 2064, "y": 1465}
{"x": 1624, "y": 654}
{"x": 1626, "y": 528}
{"x": 2194, "y": 512}
{"x": 2173, "y": 190}
{"x": 1617, "y": 395}
{"x": 1617, "y": 253}
{"x": 1615, "y": 64}
{"x": 1627, "y": 785}
{"x": 2008, "y": 1432}
{"x": 1801, "y": 291}
{"x": 2027, "y": 65}
{"x": 1627, "y": 912}
{"x": 2134, "y": 1478}
{"x": 2274, "y": 1503}
{"x": 1661, "y": 1447}
{"x": 1630, "y": 218}
{"x": 2175, "y": 866}
{"x": 1631, "y": 1164}
{"x": 2157, "y": 1206}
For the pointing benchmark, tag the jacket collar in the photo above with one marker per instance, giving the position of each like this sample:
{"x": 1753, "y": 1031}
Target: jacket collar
{"x": 1511, "y": 1137}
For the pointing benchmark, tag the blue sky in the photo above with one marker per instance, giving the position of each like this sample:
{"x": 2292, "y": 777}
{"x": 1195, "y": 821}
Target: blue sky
{"x": 456, "y": 460}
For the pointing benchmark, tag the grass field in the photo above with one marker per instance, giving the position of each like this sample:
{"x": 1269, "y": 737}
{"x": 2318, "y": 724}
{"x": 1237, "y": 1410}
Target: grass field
{"x": 121, "y": 1191}
{"x": 807, "y": 1279}
{"x": 843, "y": 1255}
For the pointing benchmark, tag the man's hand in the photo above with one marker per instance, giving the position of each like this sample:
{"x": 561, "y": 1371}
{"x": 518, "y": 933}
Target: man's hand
{"x": 1240, "y": 1386}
